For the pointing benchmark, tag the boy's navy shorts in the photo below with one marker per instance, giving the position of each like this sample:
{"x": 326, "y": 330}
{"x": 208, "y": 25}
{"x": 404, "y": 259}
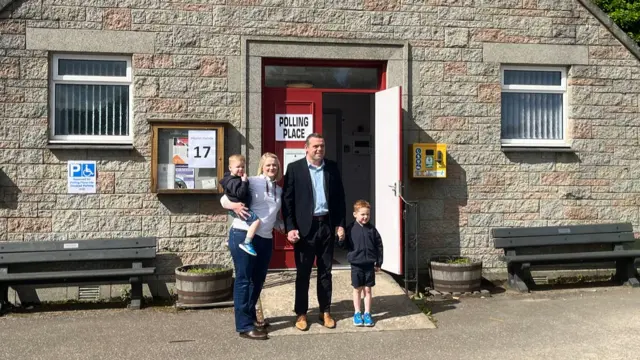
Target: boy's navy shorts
{"x": 363, "y": 275}
{"x": 252, "y": 216}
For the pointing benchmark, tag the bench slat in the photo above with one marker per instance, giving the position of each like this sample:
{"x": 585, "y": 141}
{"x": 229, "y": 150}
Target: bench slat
{"x": 596, "y": 255}
{"x": 76, "y": 274}
{"x": 76, "y": 255}
{"x": 561, "y": 230}
{"x": 515, "y": 242}
{"x": 91, "y": 244}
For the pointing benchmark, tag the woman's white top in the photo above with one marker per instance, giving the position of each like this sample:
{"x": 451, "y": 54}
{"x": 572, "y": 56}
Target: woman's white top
{"x": 266, "y": 200}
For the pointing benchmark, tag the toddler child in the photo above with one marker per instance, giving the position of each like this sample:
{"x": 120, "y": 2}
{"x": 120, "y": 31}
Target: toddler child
{"x": 236, "y": 188}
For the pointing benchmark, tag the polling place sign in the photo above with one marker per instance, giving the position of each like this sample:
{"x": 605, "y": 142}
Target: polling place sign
{"x": 293, "y": 127}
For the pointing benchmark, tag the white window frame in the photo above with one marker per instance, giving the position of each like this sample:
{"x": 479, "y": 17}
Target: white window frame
{"x": 548, "y": 89}
{"x": 89, "y": 80}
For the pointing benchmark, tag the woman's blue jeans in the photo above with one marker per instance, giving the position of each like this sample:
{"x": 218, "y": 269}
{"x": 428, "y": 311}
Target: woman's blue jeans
{"x": 251, "y": 272}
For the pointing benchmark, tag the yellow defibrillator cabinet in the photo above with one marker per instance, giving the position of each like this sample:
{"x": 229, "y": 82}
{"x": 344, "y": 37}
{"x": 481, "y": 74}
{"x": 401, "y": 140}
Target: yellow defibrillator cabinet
{"x": 428, "y": 160}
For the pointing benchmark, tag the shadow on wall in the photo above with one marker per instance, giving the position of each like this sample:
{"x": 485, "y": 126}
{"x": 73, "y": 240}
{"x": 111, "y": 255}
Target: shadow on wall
{"x": 442, "y": 219}
{"x": 8, "y": 195}
{"x": 551, "y": 168}
{"x": 99, "y": 155}
{"x": 12, "y": 7}
{"x": 540, "y": 158}
{"x": 158, "y": 283}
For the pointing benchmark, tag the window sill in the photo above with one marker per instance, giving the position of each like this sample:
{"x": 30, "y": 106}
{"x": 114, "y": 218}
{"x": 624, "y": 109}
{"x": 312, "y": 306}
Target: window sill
{"x": 187, "y": 191}
{"x": 62, "y": 146}
{"x": 557, "y": 149}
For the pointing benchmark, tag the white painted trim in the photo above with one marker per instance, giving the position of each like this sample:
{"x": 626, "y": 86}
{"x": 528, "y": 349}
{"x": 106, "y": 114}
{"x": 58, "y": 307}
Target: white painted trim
{"x": 534, "y": 67}
{"x": 388, "y": 176}
{"x": 98, "y": 80}
{"x": 90, "y": 80}
{"x": 532, "y": 89}
{"x": 93, "y": 139}
{"x": 565, "y": 109}
{"x": 544, "y": 89}
{"x": 533, "y": 142}
{"x": 538, "y": 88}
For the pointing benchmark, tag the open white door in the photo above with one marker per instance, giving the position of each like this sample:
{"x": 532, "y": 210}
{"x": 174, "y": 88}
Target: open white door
{"x": 388, "y": 176}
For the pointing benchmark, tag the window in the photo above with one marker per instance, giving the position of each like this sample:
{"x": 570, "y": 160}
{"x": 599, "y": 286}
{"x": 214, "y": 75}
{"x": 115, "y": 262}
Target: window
{"x": 91, "y": 99}
{"x": 322, "y": 77}
{"x": 534, "y": 106}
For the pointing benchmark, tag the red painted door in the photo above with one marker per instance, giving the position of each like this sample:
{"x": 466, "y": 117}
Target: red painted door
{"x": 288, "y": 117}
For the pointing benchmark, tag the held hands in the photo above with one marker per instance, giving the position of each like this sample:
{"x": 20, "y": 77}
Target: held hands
{"x": 293, "y": 236}
{"x": 376, "y": 268}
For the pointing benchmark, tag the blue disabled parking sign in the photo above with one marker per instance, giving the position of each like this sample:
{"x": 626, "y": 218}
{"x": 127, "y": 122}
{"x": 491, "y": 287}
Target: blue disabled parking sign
{"x": 81, "y": 177}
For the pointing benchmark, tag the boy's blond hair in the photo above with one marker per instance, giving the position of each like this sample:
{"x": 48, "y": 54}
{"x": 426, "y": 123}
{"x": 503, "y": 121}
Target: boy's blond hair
{"x": 361, "y": 204}
{"x": 236, "y": 158}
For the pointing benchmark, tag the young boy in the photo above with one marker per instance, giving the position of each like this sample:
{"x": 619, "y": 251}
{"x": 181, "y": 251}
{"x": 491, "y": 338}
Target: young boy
{"x": 236, "y": 188}
{"x": 364, "y": 244}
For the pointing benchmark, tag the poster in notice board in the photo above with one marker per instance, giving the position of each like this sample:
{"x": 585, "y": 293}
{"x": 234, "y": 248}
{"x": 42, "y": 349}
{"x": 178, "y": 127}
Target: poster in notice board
{"x": 202, "y": 148}
{"x": 187, "y": 159}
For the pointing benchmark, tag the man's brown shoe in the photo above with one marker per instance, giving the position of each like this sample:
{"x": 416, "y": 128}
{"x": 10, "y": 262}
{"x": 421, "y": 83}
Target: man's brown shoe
{"x": 254, "y": 335}
{"x": 326, "y": 320}
{"x": 301, "y": 323}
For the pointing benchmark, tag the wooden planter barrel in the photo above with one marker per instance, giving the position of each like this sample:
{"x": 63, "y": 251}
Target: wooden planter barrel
{"x": 198, "y": 289}
{"x": 456, "y": 277}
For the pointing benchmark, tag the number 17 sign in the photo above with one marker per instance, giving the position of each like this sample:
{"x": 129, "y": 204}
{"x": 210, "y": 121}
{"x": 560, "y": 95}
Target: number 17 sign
{"x": 202, "y": 148}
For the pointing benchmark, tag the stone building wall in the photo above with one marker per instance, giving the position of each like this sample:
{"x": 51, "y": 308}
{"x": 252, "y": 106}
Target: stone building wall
{"x": 192, "y": 72}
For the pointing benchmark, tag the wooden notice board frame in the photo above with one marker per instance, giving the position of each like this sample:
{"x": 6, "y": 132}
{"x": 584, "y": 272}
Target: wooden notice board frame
{"x": 157, "y": 127}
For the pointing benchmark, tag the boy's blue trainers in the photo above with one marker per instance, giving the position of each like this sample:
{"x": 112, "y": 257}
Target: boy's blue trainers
{"x": 357, "y": 319}
{"x": 248, "y": 248}
{"x": 368, "y": 321}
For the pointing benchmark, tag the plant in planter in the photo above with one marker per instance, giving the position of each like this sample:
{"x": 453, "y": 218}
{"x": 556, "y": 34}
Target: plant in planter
{"x": 456, "y": 274}
{"x": 203, "y": 284}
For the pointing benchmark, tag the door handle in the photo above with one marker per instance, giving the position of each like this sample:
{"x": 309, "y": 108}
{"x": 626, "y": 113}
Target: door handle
{"x": 394, "y": 189}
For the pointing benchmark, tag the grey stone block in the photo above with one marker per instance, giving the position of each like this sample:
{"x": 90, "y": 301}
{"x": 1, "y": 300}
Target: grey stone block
{"x": 536, "y": 54}
{"x": 456, "y": 37}
{"x": 234, "y": 76}
{"x": 254, "y": 74}
{"x": 320, "y": 48}
{"x": 85, "y": 41}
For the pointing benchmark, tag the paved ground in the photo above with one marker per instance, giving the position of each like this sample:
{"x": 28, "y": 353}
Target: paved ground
{"x": 391, "y": 308}
{"x": 598, "y": 323}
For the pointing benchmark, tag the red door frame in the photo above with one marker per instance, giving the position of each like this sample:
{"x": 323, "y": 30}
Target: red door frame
{"x": 283, "y": 256}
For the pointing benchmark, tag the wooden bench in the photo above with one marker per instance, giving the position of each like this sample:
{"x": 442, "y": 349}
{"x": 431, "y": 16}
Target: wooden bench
{"x": 524, "y": 247}
{"x": 74, "y": 260}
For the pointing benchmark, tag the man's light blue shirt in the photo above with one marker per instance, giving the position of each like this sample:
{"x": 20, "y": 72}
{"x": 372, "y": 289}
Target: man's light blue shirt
{"x": 317, "y": 180}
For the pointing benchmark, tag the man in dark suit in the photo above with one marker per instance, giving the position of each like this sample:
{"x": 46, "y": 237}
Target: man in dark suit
{"x": 313, "y": 207}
